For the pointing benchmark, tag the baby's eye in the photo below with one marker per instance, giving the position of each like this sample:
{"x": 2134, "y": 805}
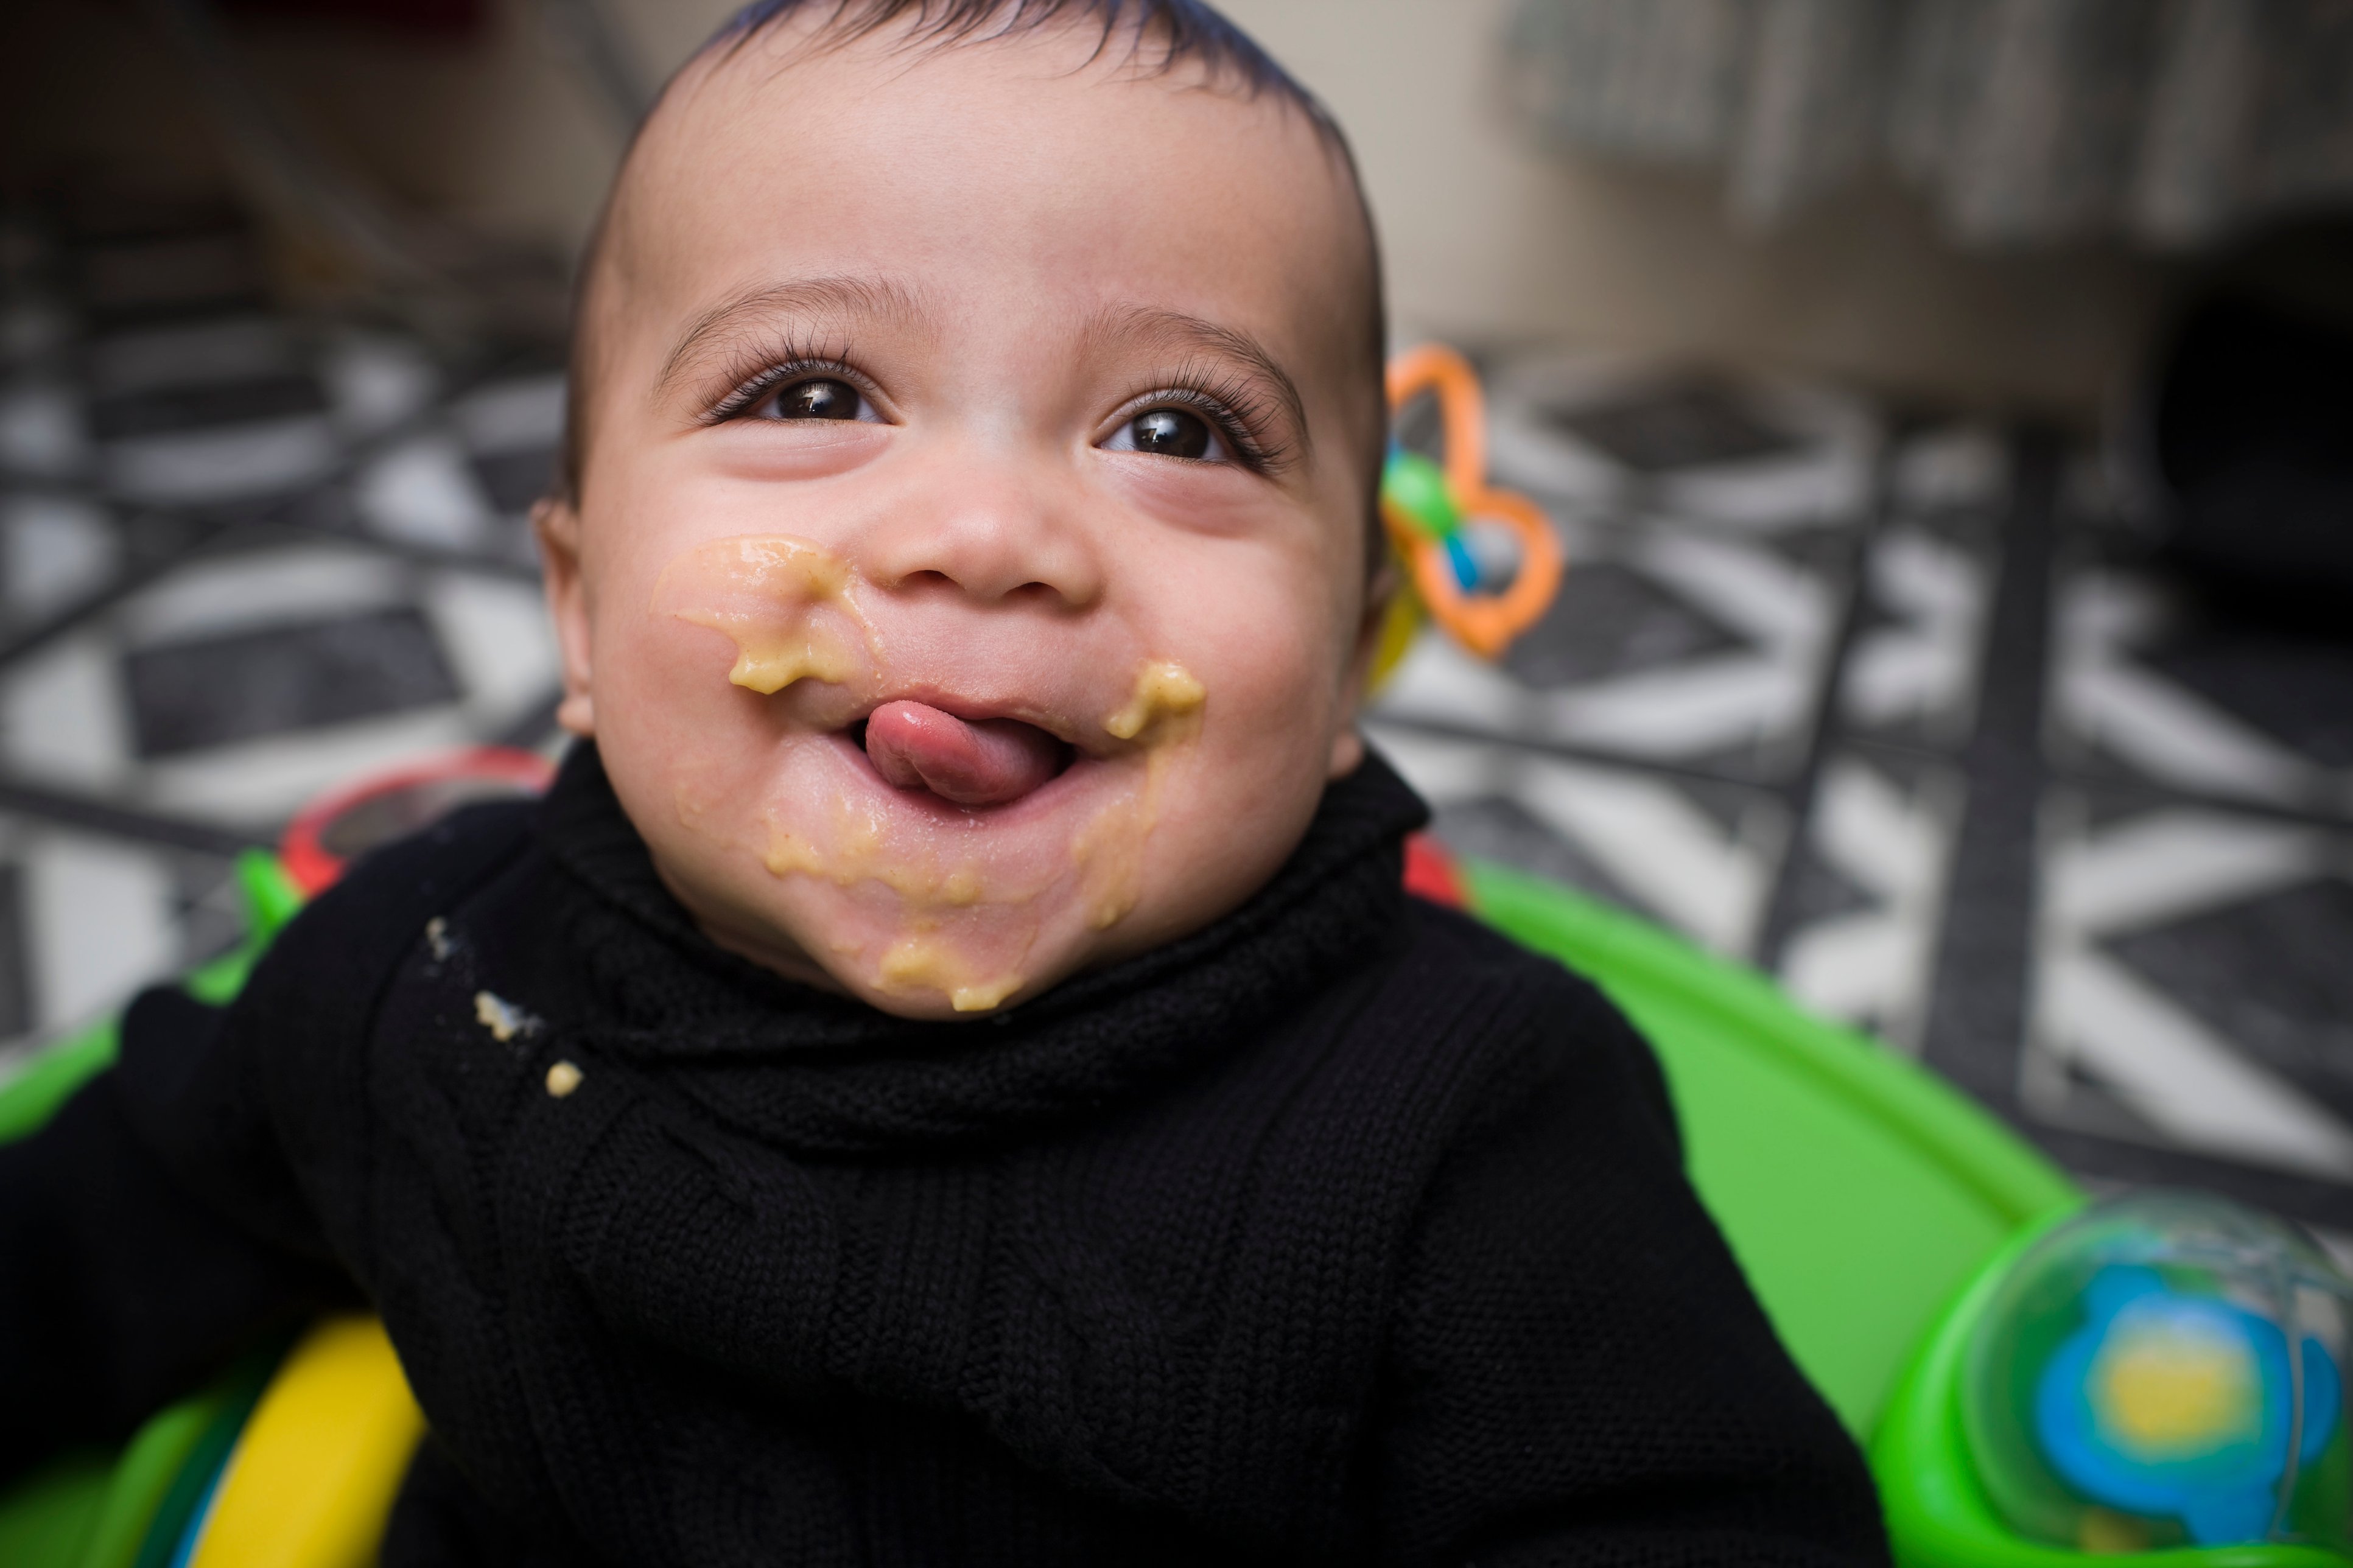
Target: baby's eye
{"x": 1172, "y": 433}
{"x": 821, "y": 397}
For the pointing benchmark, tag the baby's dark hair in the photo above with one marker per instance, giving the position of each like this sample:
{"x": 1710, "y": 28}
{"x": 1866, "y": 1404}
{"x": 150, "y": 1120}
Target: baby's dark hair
{"x": 1159, "y": 36}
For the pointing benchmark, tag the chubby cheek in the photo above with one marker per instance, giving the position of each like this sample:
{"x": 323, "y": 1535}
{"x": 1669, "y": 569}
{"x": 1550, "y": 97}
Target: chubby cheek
{"x": 1239, "y": 795}
{"x": 668, "y": 628}
{"x": 681, "y": 744}
{"x": 654, "y": 674}
{"x": 684, "y": 741}
{"x": 684, "y": 750}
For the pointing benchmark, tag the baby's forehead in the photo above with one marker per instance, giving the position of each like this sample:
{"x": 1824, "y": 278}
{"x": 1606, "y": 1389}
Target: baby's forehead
{"x": 776, "y": 102}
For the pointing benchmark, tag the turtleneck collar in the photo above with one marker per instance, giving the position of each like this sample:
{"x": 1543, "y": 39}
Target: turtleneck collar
{"x": 814, "y": 1070}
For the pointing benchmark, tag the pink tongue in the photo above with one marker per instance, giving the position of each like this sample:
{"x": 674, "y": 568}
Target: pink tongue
{"x": 985, "y": 761}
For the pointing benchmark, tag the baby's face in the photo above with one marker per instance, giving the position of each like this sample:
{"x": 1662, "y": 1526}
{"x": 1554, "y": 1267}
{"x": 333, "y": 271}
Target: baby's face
{"x": 967, "y": 582}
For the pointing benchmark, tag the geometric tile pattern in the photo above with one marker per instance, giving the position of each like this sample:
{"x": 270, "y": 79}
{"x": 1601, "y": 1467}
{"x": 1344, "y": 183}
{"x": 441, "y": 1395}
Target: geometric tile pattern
{"x": 2192, "y": 989}
{"x": 2192, "y": 1011}
{"x": 2145, "y": 690}
{"x": 246, "y": 553}
{"x": 1892, "y": 713}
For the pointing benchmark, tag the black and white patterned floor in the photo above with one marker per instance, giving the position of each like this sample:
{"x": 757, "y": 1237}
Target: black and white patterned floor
{"x": 245, "y": 554}
{"x": 1892, "y": 709}
{"x": 1886, "y": 707}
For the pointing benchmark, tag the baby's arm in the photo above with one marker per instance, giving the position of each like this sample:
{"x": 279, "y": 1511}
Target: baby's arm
{"x": 1578, "y": 1374}
{"x": 148, "y": 1234}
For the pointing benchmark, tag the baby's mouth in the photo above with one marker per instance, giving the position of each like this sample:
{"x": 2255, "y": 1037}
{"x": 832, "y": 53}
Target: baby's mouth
{"x": 967, "y": 762}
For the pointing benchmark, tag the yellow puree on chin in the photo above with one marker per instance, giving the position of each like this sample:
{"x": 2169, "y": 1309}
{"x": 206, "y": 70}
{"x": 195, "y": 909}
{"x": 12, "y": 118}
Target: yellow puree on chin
{"x": 759, "y": 590}
{"x": 920, "y": 961}
{"x": 861, "y": 853}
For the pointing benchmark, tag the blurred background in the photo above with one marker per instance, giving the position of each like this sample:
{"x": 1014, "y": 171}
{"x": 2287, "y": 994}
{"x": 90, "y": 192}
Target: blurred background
{"x": 1947, "y": 404}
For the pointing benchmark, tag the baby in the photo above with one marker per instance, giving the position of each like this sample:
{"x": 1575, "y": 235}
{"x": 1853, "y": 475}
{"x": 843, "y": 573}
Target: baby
{"x": 949, "y": 1074}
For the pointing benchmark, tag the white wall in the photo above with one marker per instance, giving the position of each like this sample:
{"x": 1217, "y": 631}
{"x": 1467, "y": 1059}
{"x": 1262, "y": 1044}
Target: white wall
{"x": 1487, "y": 239}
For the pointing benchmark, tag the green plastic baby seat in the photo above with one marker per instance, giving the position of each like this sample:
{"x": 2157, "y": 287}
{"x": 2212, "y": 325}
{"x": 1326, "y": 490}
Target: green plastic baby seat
{"x": 1858, "y": 1192}
{"x": 130, "y": 1508}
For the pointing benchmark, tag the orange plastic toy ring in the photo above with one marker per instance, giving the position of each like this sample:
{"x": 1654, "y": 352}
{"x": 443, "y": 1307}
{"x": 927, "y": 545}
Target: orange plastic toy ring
{"x": 1485, "y": 623}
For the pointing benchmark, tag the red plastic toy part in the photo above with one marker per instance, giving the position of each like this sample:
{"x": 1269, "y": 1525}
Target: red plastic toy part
{"x": 335, "y": 830}
{"x": 1431, "y": 873}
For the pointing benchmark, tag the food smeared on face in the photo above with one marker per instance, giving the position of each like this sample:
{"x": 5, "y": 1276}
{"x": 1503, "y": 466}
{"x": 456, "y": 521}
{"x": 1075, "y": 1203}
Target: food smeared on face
{"x": 1164, "y": 690}
{"x": 947, "y": 897}
{"x": 920, "y": 961}
{"x": 781, "y": 600}
{"x": 961, "y": 910}
{"x": 857, "y": 844}
{"x": 1162, "y": 712}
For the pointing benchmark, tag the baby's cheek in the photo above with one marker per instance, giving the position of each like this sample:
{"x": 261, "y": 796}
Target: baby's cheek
{"x": 1232, "y": 803}
{"x": 1272, "y": 660}
{"x": 787, "y": 604}
{"x": 685, "y": 768}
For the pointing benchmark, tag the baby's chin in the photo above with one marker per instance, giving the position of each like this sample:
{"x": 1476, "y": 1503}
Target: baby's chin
{"x": 917, "y": 904}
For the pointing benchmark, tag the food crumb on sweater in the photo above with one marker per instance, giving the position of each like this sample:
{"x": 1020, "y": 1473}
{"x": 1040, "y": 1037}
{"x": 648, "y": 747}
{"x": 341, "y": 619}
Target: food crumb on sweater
{"x": 501, "y": 1017}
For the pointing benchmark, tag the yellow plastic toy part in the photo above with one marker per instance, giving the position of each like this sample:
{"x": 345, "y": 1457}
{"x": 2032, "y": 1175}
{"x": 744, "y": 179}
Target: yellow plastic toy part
{"x": 1483, "y": 624}
{"x": 311, "y": 1480}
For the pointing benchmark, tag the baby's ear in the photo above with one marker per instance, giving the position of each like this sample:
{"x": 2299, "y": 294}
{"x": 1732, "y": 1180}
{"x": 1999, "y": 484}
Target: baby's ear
{"x": 555, "y": 522}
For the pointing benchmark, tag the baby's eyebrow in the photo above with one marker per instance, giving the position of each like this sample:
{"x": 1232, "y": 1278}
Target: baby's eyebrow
{"x": 839, "y": 297}
{"x": 1175, "y": 328}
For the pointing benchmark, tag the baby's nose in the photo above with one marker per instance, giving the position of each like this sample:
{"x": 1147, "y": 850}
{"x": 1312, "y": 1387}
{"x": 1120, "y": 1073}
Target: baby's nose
{"x": 994, "y": 534}
{"x": 985, "y": 761}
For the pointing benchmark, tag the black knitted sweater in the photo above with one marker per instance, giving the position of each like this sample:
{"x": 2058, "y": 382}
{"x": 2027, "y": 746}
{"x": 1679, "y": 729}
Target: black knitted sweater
{"x": 1340, "y": 1231}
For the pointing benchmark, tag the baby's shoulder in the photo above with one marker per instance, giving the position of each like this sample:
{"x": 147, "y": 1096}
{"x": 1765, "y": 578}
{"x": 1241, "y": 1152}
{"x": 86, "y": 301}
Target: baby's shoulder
{"x": 335, "y": 956}
{"x": 1451, "y": 1030}
{"x": 1463, "y": 997}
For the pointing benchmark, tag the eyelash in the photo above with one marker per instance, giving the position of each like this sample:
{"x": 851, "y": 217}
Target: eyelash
{"x": 1237, "y": 412}
{"x": 1233, "y": 406}
{"x": 797, "y": 366}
